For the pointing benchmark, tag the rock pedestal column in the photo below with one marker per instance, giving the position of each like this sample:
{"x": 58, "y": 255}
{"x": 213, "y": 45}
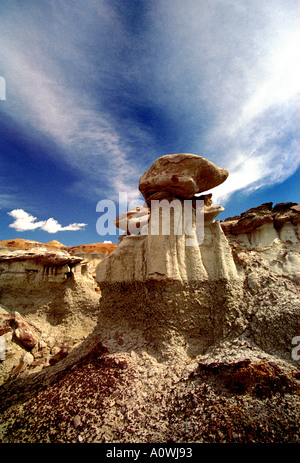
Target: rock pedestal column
{"x": 175, "y": 283}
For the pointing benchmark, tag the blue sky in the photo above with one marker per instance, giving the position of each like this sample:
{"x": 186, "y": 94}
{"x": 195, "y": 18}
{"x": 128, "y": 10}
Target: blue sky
{"x": 96, "y": 90}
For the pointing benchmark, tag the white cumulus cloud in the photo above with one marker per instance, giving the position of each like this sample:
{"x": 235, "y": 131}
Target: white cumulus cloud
{"x": 24, "y": 222}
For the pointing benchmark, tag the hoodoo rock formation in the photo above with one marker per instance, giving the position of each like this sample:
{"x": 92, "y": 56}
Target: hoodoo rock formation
{"x": 180, "y": 175}
{"x": 193, "y": 289}
{"x": 165, "y": 272}
{"x": 197, "y": 332}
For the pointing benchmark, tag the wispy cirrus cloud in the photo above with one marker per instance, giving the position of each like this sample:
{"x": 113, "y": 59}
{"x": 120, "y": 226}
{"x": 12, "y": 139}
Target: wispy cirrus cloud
{"x": 46, "y": 75}
{"x": 238, "y": 68}
{"x": 23, "y": 221}
{"x": 219, "y": 79}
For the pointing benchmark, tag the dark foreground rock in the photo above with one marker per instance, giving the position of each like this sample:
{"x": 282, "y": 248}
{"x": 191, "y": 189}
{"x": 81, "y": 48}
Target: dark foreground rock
{"x": 133, "y": 398}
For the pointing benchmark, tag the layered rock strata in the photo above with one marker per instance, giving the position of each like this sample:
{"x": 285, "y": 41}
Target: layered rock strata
{"x": 53, "y": 292}
{"x": 172, "y": 256}
{"x": 92, "y": 254}
{"x": 269, "y": 234}
{"x": 40, "y": 265}
{"x": 252, "y": 219}
{"x": 49, "y": 299}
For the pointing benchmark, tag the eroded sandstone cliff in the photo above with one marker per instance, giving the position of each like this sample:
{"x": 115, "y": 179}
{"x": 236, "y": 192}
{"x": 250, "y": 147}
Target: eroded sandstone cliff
{"x": 53, "y": 287}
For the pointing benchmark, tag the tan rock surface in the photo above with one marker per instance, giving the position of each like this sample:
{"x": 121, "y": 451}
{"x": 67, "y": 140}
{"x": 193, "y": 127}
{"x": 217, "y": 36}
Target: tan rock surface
{"x": 52, "y": 293}
{"x": 92, "y": 254}
{"x": 172, "y": 256}
{"x": 268, "y": 235}
{"x": 181, "y": 175}
{"x": 43, "y": 257}
{"x": 258, "y": 216}
{"x": 22, "y": 244}
{"x": 24, "y": 332}
{"x": 136, "y": 221}
{"x": 132, "y": 221}
{"x": 104, "y": 248}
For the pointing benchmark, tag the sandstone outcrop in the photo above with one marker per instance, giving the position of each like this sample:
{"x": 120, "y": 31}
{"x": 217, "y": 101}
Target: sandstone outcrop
{"x": 177, "y": 277}
{"x": 134, "y": 220}
{"x": 35, "y": 266}
{"x": 173, "y": 254}
{"x": 54, "y": 254}
{"x": 180, "y": 175}
{"x": 268, "y": 234}
{"x": 51, "y": 301}
{"x": 103, "y": 249}
{"x": 169, "y": 257}
{"x": 92, "y": 254}
{"x": 51, "y": 293}
{"x": 22, "y": 244}
{"x": 255, "y": 217}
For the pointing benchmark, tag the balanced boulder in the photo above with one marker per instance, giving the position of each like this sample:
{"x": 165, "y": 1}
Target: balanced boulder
{"x": 180, "y": 175}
